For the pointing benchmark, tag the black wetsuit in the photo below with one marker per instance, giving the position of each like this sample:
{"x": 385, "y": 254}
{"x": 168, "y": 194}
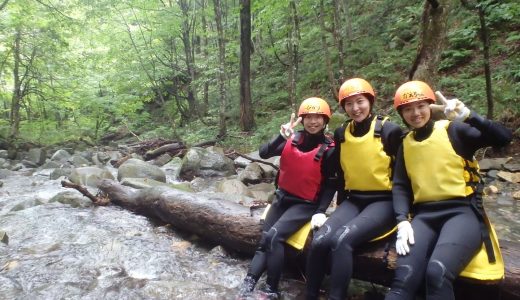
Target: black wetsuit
{"x": 288, "y": 214}
{"x": 360, "y": 217}
{"x": 447, "y": 233}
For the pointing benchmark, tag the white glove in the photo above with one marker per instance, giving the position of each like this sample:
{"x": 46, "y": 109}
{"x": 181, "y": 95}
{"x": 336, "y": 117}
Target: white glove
{"x": 318, "y": 220}
{"x": 453, "y": 109}
{"x": 286, "y": 130}
{"x": 404, "y": 236}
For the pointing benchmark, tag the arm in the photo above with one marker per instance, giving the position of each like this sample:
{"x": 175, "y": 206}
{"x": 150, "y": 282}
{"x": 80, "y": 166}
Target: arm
{"x": 328, "y": 189}
{"x": 477, "y": 132}
{"x": 392, "y": 136}
{"x": 272, "y": 148}
{"x": 402, "y": 189}
{"x": 340, "y": 180}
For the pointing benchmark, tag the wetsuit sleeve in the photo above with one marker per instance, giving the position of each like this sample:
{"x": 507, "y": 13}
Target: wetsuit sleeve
{"x": 392, "y": 138}
{"x": 402, "y": 189}
{"x": 475, "y": 133}
{"x": 272, "y": 148}
{"x": 340, "y": 180}
{"x": 328, "y": 187}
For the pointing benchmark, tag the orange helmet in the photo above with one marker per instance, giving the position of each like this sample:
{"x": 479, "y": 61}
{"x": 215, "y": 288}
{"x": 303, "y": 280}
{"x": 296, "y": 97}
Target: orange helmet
{"x": 314, "y": 105}
{"x": 355, "y": 86}
{"x": 413, "y": 91}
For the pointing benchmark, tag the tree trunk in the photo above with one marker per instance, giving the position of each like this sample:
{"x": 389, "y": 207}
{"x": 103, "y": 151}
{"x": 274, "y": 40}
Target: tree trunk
{"x": 431, "y": 44}
{"x": 233, "y": 226}
{"x": 293, "y": 45}
{"x": 205, "y": 90}
{"x": 222, "y": 69}
{"x": 187, "y": 25}
{"x": 484, "y": 37}
{"x": 326, "y": 52}
{"x": 247, "y": 121}
{"x": 14, "y": 116}
{"x": 338, "y": 38}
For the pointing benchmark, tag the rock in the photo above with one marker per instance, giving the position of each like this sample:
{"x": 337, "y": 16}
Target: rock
{"x": 79, "y": 161}
{"x": 493, "y": 163}
{"x": 511, "y": 177}
{"x": 172, "y": 168}
{"x": 141, "y": 183}
{"x": 59, "y": 172}
{"x": 252, "y": 174}
{"x": 50, "y": 165}
{"x": 490, "y": 189}
{"x": 5, "y": 173}
{"x": 60, "y": 156}
{"x": 136, "y": 168}
{"x": 268, "y": 171}
{"x": 262, "y": 191}
{"x": 492, "y": 174}
{"x": 1, "y": 184}
{"x": 162, "y": 160}
{"x": 4, "y": 238}
{"x": 28, "y": 164}
{"x": 516, "y": 195}
{"x": 233, "y": 187}
{"x": 4, "y": 154}
{"x": 512, "y": 167}
{"x": 200, "y": 162}
{"x": 74, "y": 199}
{"x": 89, "y": 176}
{"x": 37, "y": 156}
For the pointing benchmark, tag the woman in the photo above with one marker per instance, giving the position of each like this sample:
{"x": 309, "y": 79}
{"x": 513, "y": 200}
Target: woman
{"x": 306, "y": 186}
{"x": 366, "y": 147}
{"x": 436, "y": 181}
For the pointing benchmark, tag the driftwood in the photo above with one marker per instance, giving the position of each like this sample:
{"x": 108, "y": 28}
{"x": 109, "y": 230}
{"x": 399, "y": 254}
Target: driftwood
{"x": 233, "y": 226}
{"x": 173, "y": 148}
{"x": 100, "y": 200}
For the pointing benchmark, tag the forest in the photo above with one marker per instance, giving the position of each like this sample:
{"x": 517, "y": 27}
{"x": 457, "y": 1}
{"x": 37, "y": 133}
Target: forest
{"x": 234, "y": 70}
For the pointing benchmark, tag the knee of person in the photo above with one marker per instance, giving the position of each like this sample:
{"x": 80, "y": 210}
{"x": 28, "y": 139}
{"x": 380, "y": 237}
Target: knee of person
{"x": 437, "y": 274}
{"x": 268, "y": 238}
{"x": 321, "y": 238}
{"x": 403, "y": 274}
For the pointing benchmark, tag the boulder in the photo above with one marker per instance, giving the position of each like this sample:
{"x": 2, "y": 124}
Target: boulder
{"x": 136, "y": 168}
{"x": 89, "y": 176}
{"x": 210, "y": 162}
{"x": 252, "y": 174}
{"x": 61, "y": 156}
{"x": 37, "y": 156}
{"x": 493, "y": 163}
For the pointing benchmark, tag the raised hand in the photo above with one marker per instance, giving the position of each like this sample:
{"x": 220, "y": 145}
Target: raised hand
{"x": 453, "y": 109}
{"x": 287, "y": 129}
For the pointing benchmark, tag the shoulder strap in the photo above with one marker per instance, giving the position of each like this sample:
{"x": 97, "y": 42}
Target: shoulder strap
{"x": 296, "y": 139}
{"x": 342, "y": 131}
{"x": 323, "y": 148}
{"x": 379, "y": 126}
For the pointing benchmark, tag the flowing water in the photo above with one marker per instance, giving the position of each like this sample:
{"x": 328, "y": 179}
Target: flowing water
{"x": 65, "y": 248}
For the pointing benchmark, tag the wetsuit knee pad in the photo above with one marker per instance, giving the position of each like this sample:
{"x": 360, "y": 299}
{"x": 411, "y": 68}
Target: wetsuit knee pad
{"x": 267, "y": 239}
{"x": 437, "y": 274}
{"x": 403, "y": 275}
{"x": 322, "y": 238}
{"x": 340, "y": 238}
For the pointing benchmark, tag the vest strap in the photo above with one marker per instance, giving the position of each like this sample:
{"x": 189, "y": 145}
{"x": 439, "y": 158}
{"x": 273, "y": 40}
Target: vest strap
{"x": 478, "y": 208}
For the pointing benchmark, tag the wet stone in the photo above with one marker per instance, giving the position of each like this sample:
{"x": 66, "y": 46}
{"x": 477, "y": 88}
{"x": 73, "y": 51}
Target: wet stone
{"x": 512, "y": 167}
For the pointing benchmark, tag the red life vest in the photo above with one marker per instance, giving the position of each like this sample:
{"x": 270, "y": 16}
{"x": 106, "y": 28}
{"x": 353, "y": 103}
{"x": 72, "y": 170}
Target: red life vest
{"x": 300, "y": 172}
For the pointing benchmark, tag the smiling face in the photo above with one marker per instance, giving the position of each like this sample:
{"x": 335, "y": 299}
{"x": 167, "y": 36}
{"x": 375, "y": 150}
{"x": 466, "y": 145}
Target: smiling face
{"x": 313, "y": 123}
{"x": 357, "y": 107}
{"x": 416, "y": 114}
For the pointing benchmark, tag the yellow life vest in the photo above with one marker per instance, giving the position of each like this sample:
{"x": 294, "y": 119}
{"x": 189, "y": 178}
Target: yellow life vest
{"x": 365, "y": 164}
{"x": 446, "y": 176}
{"x": 479, "y": 268}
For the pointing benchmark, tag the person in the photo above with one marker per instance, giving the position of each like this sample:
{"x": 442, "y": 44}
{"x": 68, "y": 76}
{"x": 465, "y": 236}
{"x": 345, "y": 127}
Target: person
{"x": 305, "y": 188}
{"x": 366, "y": 146}
{"x": 436, "y": 182}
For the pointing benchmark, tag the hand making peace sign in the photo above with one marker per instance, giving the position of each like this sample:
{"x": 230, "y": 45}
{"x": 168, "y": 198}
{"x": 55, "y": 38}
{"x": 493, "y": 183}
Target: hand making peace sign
{"x": 286, "y": 130}
{"x": 453, "y": 109}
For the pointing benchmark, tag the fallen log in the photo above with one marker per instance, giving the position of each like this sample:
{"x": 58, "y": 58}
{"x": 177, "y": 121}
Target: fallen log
{"x": 235, "y": 228}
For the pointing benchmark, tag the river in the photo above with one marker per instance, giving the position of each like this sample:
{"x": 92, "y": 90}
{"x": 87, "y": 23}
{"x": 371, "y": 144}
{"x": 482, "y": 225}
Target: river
{"x": 63, "y": 247}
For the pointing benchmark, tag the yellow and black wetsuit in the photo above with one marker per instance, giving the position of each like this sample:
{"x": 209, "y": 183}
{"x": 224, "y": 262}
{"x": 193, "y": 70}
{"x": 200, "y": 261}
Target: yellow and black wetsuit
{"x": 366, "y": 151}
{"x": 433, "y": 184}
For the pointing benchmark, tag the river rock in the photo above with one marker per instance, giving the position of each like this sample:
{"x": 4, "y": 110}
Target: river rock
{"x": 512, "y": 167}
{"x": 136, "y": 168}
{"x": 516, "y": 195}
{"x": 490, "y": 189}
{"x": 162, "y": 160}
{"x": 79, "y": 161}
{"x": 172, "y": 168}
{"x": 252, "y": 174}
{"x": 37, "y": 156}
{"x": 511, "y": 177}
{"x": 89, "y": 176}
{"x": 493, "y": 163}
{"x": 28, "y": 164}
{"x": 4, "y": 238}
{"x": 59, "y": 172}
{"x": 5, "y": 173}
{"x": 262, "y": 192}
{"x": 71, "y": 198}
{"x": 210, "y": 162}
{"x": 4, "y": 154}
{"x": 141, "y": 183}
{"x": 61, "y": 156}
{"x": 233, "y": 187}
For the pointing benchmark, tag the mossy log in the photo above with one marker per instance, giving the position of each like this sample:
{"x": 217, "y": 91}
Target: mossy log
{"x": 235, "y": 228}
